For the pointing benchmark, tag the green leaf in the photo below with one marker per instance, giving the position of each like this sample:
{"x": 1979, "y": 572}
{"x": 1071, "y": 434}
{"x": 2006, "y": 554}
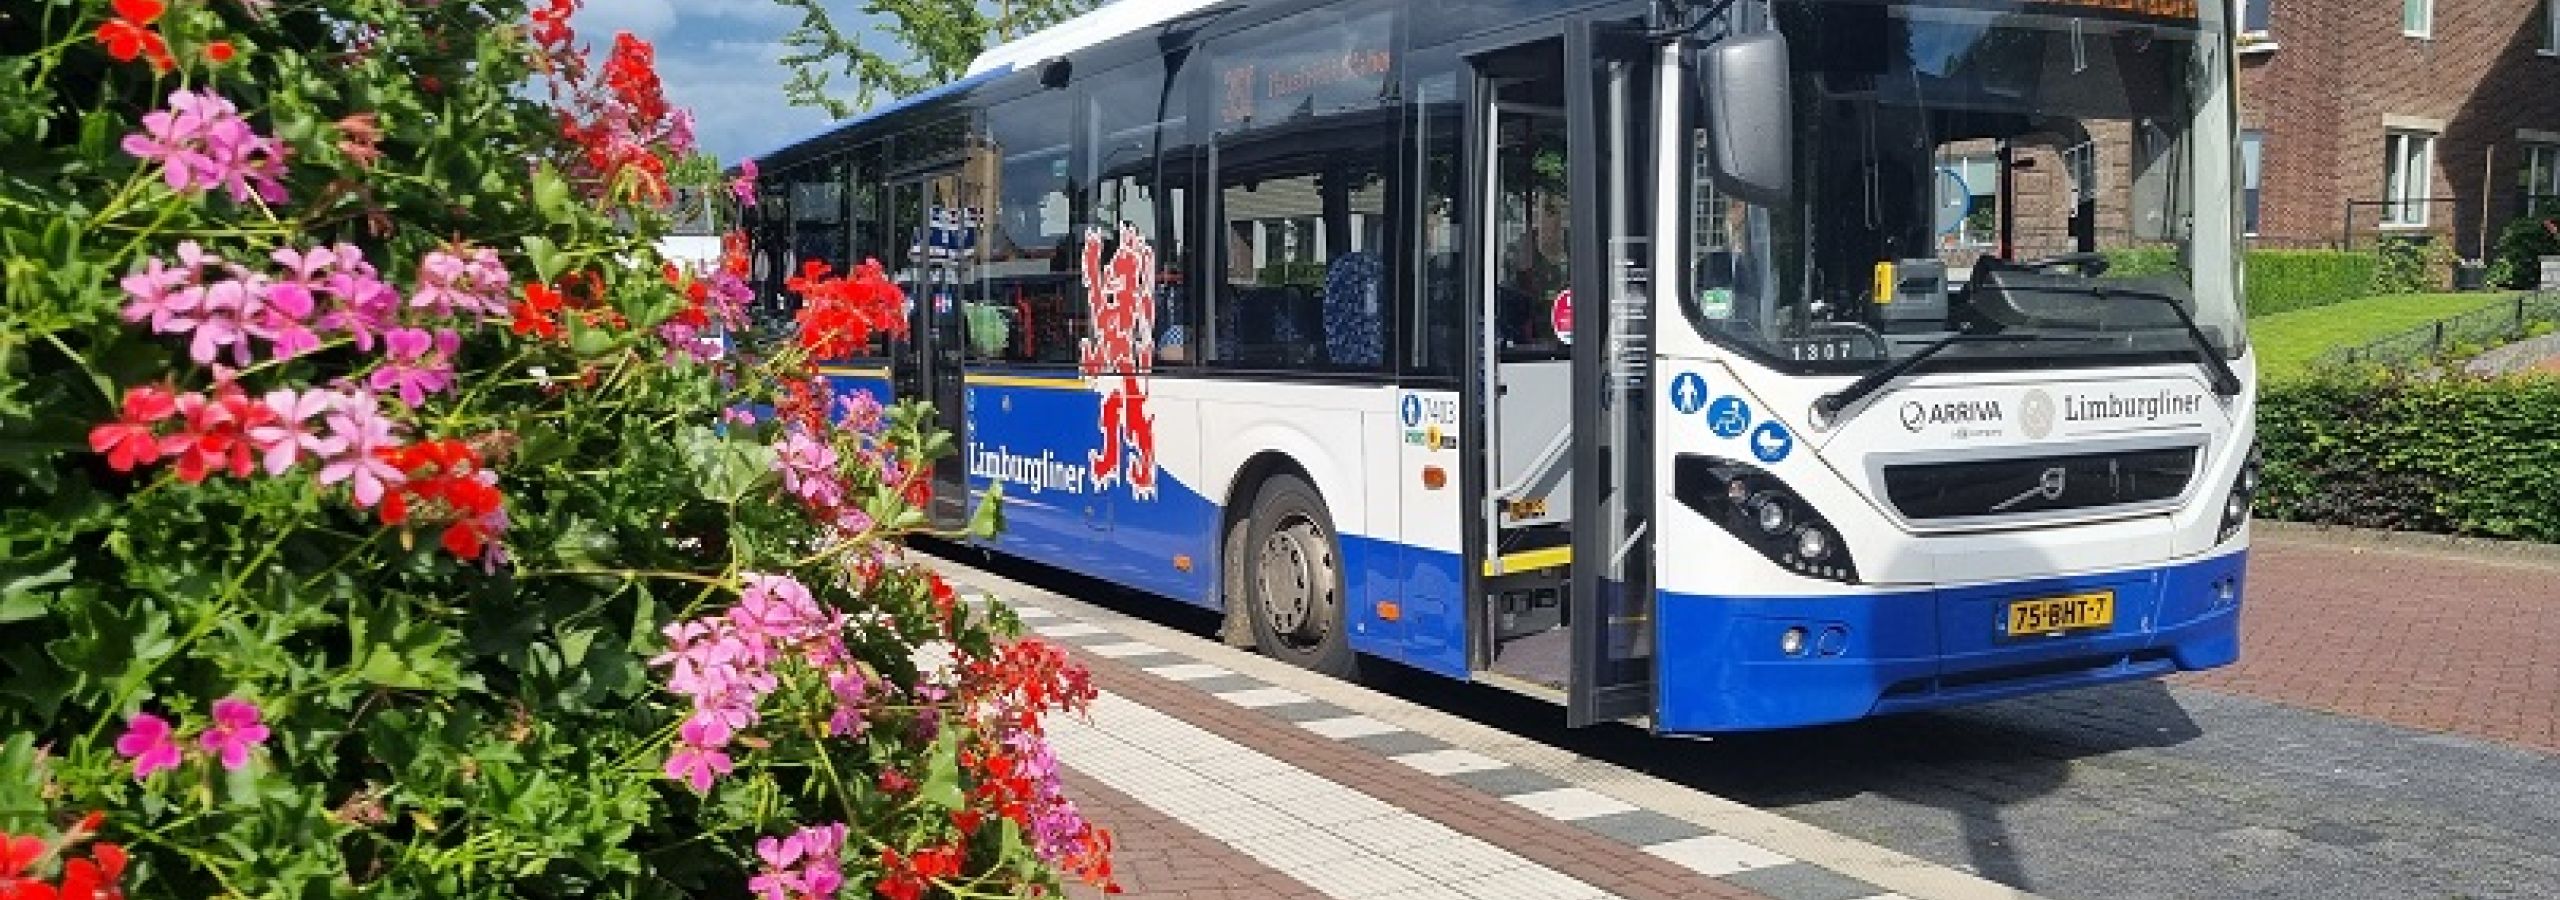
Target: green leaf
{"x": 725, "y": 469}
{"x": 18, "y": 599}
{"x": 941, "y": 785}
{"x": 551, "y": 197}
{"x": 545, "y": 256}
{"x": 988, "y": 519}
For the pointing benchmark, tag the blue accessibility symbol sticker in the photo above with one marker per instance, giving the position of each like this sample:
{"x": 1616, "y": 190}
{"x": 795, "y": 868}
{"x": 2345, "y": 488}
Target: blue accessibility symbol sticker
{"x": 1413, "y": 410}
{"x": 1688, "y": 393}
{"x": 1730, "y": 417}
{"x": 1771, "y": 442}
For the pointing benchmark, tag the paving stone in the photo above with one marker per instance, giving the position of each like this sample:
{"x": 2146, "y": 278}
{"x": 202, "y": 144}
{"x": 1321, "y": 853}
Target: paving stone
{"x": 1802, "y": 881}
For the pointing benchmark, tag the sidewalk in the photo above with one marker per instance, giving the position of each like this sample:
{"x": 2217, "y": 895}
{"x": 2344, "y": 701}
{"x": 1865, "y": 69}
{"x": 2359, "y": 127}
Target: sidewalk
{"x": 2426, "y": 638}
{"x": 1228, "y": 775}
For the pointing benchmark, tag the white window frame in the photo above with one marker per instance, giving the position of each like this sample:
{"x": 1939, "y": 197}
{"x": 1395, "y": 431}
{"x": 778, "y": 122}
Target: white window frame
{"x": 2253, "y": 177}
{"x": 2426, "y": 24}
{"x": 2405, "y": 196}
{"x": 2254, "y": 38}
{"x": 2541, "y": 173}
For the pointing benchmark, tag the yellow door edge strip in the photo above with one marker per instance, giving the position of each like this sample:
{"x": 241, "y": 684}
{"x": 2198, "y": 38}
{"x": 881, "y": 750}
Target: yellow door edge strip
{"x": 1025, "y": 381}
{"x": 1529, "y": 561}
{"x": 843, "y": 372}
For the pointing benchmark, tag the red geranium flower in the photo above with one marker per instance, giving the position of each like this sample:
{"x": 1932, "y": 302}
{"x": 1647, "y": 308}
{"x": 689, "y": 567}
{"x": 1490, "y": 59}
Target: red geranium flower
{"x": 129, "y": 34}
{"x": 132, "y": 441}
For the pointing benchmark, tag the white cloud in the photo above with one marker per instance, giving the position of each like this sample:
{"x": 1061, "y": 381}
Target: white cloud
{"x": 735, "y": 92}
{"x": 649, "y": 19}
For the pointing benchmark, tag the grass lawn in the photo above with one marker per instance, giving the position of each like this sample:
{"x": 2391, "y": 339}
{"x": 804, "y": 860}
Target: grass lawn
{"x": 2288, "y": 342}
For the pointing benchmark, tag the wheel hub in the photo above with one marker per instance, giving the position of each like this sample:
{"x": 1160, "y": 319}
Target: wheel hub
{"x": 1295, "y": 580}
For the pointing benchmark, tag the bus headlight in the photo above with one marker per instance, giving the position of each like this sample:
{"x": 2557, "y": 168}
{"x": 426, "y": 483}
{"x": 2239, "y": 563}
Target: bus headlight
{"x": 1754, "y": 506}
{"x": 1813, "y": 544}
{"x": 1771, "y": 511}
{"x": 2237, "y": 505}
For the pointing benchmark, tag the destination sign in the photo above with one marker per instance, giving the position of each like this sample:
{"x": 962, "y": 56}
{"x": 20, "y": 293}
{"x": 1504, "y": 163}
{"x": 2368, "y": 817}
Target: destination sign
{"x": 2166, "y": 9}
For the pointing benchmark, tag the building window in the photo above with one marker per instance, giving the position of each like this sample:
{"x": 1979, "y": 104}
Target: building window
{"x": 2407, "y": 177}
{"x": 2253, "y": 18}
{"x": 1969, "y": 189}
{"x": 2252, "y": 145}
{"x": 2541, "y": 178}
{"x": 2418, "y": 17}
{"x": 2551, "y": 28}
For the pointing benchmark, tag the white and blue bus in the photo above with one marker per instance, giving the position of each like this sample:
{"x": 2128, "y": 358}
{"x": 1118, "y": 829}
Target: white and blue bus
{"x": 1720, "y": 364}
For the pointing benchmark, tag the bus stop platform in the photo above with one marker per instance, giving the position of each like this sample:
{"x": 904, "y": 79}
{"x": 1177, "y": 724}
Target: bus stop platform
{"x": 1224, "y": 774}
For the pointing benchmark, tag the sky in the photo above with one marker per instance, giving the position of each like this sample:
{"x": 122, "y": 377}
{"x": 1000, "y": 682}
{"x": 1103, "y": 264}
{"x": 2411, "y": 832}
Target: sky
{"x": 722, "y": 59}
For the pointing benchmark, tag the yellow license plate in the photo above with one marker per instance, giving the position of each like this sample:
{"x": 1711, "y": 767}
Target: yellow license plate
{"x": 2054, "y": 615}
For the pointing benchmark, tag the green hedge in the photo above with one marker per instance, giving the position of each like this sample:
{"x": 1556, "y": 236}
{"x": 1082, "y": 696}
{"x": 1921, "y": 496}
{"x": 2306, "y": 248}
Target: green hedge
{"x": 2287, "y": 280}
{"x": 2455, "y": 455}
{"x": 2279, "y": 280}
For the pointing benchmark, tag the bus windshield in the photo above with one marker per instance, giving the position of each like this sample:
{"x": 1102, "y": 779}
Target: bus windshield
{"x": 2048, "y": 169}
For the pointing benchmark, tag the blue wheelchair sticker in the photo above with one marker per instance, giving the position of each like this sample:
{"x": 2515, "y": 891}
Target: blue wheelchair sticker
{"x": 1730, "y": 417}
{"x": 1412, "y": 410}
{"x": 1689, "y": 393}
{"x": 1771, "y": 442}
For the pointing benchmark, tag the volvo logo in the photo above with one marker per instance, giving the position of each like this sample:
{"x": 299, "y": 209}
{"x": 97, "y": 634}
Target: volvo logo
{"x": 2049, "y": 486}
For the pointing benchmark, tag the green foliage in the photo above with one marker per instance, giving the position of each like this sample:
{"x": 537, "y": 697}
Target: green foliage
{"x": 912, "y": 45}
{"x": 2412, "y": 264}
{"x": 2286, "y": 280}
{"x": 444, "y": 723}
{"x": 2521, "y": 247}
{"x": 2139, "y": 262}
{"x": 2456, "y": 455}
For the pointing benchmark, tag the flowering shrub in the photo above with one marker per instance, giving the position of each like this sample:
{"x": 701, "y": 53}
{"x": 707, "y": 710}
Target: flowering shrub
{"x": 379, "y": 516}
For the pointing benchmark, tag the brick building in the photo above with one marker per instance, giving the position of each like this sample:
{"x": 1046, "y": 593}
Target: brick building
{"x": 2367, "y": 117}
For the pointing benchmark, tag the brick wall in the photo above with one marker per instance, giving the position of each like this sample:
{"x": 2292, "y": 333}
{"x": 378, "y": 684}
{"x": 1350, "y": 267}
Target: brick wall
{"x": 2341, "y": 69}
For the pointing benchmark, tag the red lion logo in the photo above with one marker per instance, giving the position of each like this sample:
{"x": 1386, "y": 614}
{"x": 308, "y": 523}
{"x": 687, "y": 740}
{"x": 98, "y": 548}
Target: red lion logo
{"x": 1121, "y": 354}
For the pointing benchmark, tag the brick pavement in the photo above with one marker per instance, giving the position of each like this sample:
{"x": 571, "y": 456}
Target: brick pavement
{"x": 2428, "y": 641}
{"x": 1157, "y": 858}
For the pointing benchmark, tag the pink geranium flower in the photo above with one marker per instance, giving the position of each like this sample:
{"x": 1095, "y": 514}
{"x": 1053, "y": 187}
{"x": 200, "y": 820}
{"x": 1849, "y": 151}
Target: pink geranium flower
{"x": 357, "y": 430}
{"x": 698, "y": 758}
{"x": 420, "y": 363}
{"x": 200, "y": 142}
{"x": 149, "y": 742}
{"x": 284, "y": 439}
{"x": 236, "y": 730}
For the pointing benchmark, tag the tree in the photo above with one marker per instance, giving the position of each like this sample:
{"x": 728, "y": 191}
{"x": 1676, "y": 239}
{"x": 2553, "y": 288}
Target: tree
{"x": 928, "y": 42}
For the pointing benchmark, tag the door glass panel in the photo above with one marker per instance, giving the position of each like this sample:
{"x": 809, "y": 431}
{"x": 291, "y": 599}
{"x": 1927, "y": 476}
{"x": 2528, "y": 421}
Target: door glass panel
{"x": 1613, "y": 351}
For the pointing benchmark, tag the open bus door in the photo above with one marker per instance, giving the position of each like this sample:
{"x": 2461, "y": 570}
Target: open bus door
{"x": 1560, "y": 131}
{"x": 1611, "y": 84}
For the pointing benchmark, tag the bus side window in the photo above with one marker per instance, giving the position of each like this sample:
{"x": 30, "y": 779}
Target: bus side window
{"x": 1031, "y": 287}
{"x": 1303, "y": 165}
{"x": 1434, "y": 331}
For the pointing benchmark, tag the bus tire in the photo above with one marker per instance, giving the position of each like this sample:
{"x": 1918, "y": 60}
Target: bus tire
{"x": 1236, "y": 628}
{"x": 1294, "y": 566}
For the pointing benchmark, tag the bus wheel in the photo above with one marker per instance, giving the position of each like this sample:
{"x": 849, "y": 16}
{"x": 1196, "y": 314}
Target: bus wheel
{"x": 1296, "y": 580}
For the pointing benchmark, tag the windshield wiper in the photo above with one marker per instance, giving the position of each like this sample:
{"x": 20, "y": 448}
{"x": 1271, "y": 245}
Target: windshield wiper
{"x": 2225, "y": 382}
{"x": 1832, "y": 403}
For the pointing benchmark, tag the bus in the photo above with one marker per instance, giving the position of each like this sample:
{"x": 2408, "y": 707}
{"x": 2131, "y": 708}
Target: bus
{"x": 1715, "y": 365}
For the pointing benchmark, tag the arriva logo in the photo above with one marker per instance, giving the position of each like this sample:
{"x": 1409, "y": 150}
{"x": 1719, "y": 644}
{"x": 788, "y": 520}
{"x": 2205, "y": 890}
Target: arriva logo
{"x": 1918, "y": 417}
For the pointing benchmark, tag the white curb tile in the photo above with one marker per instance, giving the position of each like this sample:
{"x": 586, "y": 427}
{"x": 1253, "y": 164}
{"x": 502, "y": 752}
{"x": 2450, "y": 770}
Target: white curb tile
{"x": 1451, "y": 761}
{"x": 1716, "y": 855}
{"x": 1125, "y": 649}
{"x": 1071, "y": 629}
{"x": 1260, "y": 698}
{"x": 1028, "y": 613}
{"x": 1349, "y": 727}
{"x": 1571, "y": 803}
{"x": 1188, "y": 671}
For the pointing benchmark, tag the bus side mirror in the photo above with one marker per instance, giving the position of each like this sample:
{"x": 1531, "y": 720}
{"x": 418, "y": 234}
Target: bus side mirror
{"x": 1750, "y": 152}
